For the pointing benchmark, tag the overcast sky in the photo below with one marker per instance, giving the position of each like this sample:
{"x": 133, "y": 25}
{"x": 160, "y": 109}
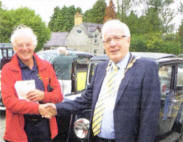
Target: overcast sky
{"x": 45, "y": 8}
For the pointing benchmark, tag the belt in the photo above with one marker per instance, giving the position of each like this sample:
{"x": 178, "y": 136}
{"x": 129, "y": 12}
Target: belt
{"x": 98, "y": 139}
{"x": 33, "y": 119}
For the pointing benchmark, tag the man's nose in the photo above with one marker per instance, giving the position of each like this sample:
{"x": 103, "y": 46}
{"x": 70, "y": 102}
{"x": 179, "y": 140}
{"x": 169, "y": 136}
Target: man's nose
{"x": 24, "y": 46}
{"x": 112, "y": 42}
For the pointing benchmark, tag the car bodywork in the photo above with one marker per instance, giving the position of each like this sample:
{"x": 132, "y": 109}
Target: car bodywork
{"x": 171, "y": 81}
{"x": 79, "y": 67}
{"x": 6, "y": 53}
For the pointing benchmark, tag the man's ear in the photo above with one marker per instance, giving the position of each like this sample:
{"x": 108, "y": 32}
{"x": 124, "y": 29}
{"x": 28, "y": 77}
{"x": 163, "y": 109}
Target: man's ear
{"x": 14, "y": 49}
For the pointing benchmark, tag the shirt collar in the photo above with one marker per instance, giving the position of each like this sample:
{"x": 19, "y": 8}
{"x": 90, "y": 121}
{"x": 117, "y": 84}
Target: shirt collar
{"x": 121, "y": 64}
{"x": 23, "y": 66}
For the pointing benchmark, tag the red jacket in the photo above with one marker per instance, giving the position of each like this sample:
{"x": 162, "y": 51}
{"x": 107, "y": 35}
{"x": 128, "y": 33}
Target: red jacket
{"x": 16, "y": 108}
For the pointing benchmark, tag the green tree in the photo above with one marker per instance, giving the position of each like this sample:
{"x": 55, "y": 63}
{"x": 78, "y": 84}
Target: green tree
{"x": 96, "y": 14}
{"x": 160, "y": 8}
{"x": 9, "y": 19}
{"x": 155, "y": 42}
{"x": 63, "y": 19}
{"x": 180, "y": 34}
{"x": 0, "y": 5}
{"x": 151, "y": 23}
{"x": 164, "y": 12}
{"x": 123, "y": 7}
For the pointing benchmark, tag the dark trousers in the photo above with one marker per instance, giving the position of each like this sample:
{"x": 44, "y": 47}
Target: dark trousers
{"x": 97, "y": 139}
{"x": 38, "y": 131}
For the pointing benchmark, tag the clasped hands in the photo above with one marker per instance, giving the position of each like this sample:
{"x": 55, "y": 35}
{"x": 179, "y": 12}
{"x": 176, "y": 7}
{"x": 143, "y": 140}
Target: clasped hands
{"x": 47, "y": 110}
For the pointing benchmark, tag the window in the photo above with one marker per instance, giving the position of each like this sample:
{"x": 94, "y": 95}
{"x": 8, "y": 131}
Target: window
{"x": 79, "y": 31}
{"x": 179, "y": 85}
{"x": 180, "y": 75}
{"x": 165, "y": 79}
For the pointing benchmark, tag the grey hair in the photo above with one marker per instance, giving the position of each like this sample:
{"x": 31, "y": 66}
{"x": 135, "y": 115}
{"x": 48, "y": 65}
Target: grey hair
{"x": 62, "y": 50}
{"x": 23, "y": 30}
{"x": 117, "y": 24}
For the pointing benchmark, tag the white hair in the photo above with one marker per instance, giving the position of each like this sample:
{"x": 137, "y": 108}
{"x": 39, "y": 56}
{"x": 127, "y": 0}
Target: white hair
{"x": 62, "y": 50}
{"x": 117, "y": 24}
{"x": 21, "y": 31}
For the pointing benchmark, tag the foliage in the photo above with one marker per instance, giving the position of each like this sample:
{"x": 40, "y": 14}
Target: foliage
{"x": 180, "y": 34}
{"x": 12, "y": 18}
{"x": 96, "y": 14}
{"x": 0, "y": 5}
{"x": 150, "y": 32}
{"x": 144, "y": 24}
{"x": 109, "y": 12}
{"x": 62, "y": 20}
{"x": 155, "y": 42}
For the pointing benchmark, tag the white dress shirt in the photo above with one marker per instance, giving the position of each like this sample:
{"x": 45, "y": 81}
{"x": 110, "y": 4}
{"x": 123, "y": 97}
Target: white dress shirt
{"x": 107, "y": 127}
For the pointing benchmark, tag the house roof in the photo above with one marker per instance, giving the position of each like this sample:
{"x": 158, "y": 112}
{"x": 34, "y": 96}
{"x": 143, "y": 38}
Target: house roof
{"x": 57, "y": 39}
{"x": 91, "y": 27}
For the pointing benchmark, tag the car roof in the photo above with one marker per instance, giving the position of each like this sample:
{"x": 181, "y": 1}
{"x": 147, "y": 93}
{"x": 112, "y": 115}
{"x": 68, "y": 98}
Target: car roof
{"x": 158, "y": 57}
{"x": 5, "y": 45}
{"x": 153, "y": 55}
{"x": 54, "y": 53}
{"x": 80, "y": 53}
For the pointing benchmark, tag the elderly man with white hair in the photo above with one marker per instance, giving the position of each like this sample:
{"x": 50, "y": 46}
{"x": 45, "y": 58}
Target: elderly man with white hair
{"x": 23, "y": 120}
{"x": 124, "y": 94}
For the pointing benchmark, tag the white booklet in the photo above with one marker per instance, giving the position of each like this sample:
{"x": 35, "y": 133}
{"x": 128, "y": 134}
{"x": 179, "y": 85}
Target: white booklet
{"x": 23, "y": 87}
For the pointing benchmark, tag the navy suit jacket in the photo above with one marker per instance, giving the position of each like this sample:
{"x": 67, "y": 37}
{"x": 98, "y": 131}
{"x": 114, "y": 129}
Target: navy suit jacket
{"x": 137, "y": 107}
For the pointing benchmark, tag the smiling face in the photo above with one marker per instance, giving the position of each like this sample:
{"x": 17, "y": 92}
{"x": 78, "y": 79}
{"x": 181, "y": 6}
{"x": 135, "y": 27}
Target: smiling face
{"x": 24, "y": 48}
{"x": 116, "y": 44}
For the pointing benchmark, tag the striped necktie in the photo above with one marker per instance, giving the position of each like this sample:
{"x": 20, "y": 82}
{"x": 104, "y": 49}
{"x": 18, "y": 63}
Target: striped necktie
{"x": 100, "y": 106}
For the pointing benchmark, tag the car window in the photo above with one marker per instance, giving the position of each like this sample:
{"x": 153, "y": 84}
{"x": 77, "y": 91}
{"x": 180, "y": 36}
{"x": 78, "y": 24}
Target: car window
{"x": 165, "y": 78}
{"x": 179, "y": 84}
{"x": 81, "y": 74}
{"x": 91, "y": 71}
{"x": 180, "y": 75}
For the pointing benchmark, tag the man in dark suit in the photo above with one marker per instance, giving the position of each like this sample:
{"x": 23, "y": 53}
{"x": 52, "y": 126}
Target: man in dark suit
{"x": 124, "y": 90}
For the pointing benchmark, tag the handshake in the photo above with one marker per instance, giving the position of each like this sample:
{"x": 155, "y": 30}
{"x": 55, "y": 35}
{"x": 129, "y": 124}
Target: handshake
{"x": 47, "y": 110}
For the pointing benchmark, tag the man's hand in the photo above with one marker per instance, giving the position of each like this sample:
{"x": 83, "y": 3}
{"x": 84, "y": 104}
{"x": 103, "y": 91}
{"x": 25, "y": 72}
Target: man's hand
{"x": 35, "y": 95}
{"x": 47, "y": 110}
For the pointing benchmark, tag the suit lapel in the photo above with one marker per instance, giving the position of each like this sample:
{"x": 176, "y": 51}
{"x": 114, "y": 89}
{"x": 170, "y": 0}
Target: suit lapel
{"x": 124, "y": 83}
{"x": 100, "y": 77}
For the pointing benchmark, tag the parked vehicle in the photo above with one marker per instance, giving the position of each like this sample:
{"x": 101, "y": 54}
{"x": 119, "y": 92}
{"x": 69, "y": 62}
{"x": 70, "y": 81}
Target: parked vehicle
{"x": 6, "y": 53}
{"x": 78, "y": 81}
{"x": 48, "y": 55}
{"x": 79, "y": 67}
{"x": 171, "y": 114}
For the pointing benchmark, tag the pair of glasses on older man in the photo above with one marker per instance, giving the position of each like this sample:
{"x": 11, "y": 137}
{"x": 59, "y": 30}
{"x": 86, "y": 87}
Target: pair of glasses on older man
{"x": 115, "y": 38}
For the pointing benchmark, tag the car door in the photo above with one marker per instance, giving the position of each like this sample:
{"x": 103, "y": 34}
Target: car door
{"x": 171, "y": 81}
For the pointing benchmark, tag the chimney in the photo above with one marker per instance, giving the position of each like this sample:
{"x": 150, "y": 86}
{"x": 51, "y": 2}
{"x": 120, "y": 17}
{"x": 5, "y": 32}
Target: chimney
{"x": 78, "y": 19}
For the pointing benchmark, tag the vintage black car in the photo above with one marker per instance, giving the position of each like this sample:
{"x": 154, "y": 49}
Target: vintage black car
{"x": 171, "y": 114}
{"x": 6, "y": 53}
{"x": 79, "y": 67}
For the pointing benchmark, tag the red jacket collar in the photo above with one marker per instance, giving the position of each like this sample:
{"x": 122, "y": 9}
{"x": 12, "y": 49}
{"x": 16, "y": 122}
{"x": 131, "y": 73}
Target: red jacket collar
{"x": 14, "y": 65}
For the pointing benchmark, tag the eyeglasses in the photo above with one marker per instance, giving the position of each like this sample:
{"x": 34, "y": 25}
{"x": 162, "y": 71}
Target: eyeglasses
{"x": 24, "y": 45}
{"x": 115, "y": 38}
